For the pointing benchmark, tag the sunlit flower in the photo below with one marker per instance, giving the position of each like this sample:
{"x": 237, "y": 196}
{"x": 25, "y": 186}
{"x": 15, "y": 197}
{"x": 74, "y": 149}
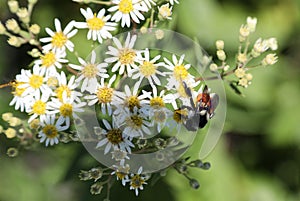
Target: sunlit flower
{"x": 114, "y": 138}
{"x": 66, "y": 86}
{"x": 19, "y": 100}
{"x": 122, "y": 172}
{"x": 38, "y": 107}
{"x": 270, "y": 59}
{"x": 49, "y": 61}
{"x": 123, "y": 56}
{"x": 136, "y": 123}
{"x": 165, "y": 11}
{"x": 251, "y": 23}
{"x": 59, "y": 40}
{"x": 50, "y": 130}
{"x": 33, "y": 82}
{"x": 98, "y": 25}
{"x": 179, "y": 72}
{"x": 137, "y": 181}
{"x": 148, "y": 69}
{"x": 104, "y": 95}
{"x": 66, "y": 108}
{"x": 129, "y": 99}
{"x": 127, "y": 10}
{"x": 89, "y": 72}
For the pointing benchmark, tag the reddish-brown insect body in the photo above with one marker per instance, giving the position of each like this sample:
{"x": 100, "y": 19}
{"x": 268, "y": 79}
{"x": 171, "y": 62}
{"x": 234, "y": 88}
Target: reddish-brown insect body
{"x": 204, "y": 98}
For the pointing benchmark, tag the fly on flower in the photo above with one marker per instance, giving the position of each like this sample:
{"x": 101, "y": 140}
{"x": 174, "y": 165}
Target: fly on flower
{"x": 197, "y": 114}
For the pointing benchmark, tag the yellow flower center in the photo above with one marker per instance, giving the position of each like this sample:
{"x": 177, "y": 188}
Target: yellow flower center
{"x": 36, "y": 81}
{"x": 114, "y": 136}
{"x": 127, "y": 56}
{"x": 125, "y": 6}
{"x": 66, "y": 110}
{"x": 48, "y": 59}
{"x": 135, "y": 121}
{"x": 132, "y": 102}
{"x": 39, "y": 107}
{"x": 59, "y": 39}
{"x": 147, "y": 68}
{"x": 136, "y": 181}
{"x": 95, "y": 23}
{"x": 52, "y": 82}
{"x": 180, "y": 73}
{"x": 60, "y": 90}
{"x": 90, "y": 71}
{"x": 105, "y": 95}
{"x": 50, "y": 131}
{"x": 157, "y": 102}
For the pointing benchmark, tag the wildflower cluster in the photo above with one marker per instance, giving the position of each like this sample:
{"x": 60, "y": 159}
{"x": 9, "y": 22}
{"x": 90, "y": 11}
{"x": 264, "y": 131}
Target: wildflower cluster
{"x": 248, "y": 56}
{"x": 142, "y": 98}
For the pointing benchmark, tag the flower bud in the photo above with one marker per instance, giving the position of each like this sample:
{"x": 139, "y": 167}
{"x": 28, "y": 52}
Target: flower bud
{"x": 240, "y": 72}
{"x": 244, "y": 31}
{"x": 96, "y": 188}
{"x": 194, "y": 183}
{"x": 10, "y": 133}
{"x": 251, "y": 23}
{"x": 12, "y": 25}
{"x": 226, "y": 68}
{"x": 213, "y": 67}
{"x": 14, "y": 41}
{"x": 14, "y": 121}
{"x": 2, "y": 28}
{"x": 96, "y": 173}
{"x": 35, "y": 29}
{"x": 272, "y": 43}
{"x": 23, "y": 15}
{"x": 35, "y": 53}
{"x": 206, "y": 166}
{"x": 143, "y": 30}
{"x": 221, "y": 55}
{"x": 270, "y": 59}
{"x": 32, "y": 1}
{"x": 220, "y": 44}
{"x": 7, "y": 116}
{"x": 159, "y": 34}
{"x": 242, "y": 58}
{"x": 13, "y": 6}
{"x": 165, "y": 12}
{"x": 12, "y": 152}
{"x": 84, "y": 175}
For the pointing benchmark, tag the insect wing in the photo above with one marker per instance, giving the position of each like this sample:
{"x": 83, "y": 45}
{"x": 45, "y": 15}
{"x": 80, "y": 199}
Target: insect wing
{"x": 214, "y": 102}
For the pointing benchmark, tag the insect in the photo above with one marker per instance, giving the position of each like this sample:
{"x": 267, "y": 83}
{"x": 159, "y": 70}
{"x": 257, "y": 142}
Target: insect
{"x": 197, "y": 114}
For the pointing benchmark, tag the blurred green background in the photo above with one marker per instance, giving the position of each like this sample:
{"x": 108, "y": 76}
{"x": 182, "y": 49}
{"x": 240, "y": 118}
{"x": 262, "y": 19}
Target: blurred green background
{"x": 258, "y": 156}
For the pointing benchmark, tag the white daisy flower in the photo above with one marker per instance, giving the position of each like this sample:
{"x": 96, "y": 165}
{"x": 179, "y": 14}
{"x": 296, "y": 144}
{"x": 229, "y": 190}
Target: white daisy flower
{"x": 148, "y": 69}
{"x": 66, "y": 86}
{"x": 114, "y": 138}
{"x": 123, "y": 56}
{"x": 135, "y": 122}
{"x": 38, "y": 107}
{"x": 19, "y": 100}
{"x": 179, "y": 72}
{"x": 129, "y": 99}
{"x": 49, "y": 61}
{"x": 127, "y": 10}
{"x": 98, "y": 25}
{"x": 122, "y": 172}
{"x": 66, "y": 108}
{"x": 59, "y": 40}
{"x": 50, "y": 130}
{"x": 33, "y": 82}
{"x": 89, "y": 72}
{"x": 137, "y": 181}
{"x": 104, "y": 95}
